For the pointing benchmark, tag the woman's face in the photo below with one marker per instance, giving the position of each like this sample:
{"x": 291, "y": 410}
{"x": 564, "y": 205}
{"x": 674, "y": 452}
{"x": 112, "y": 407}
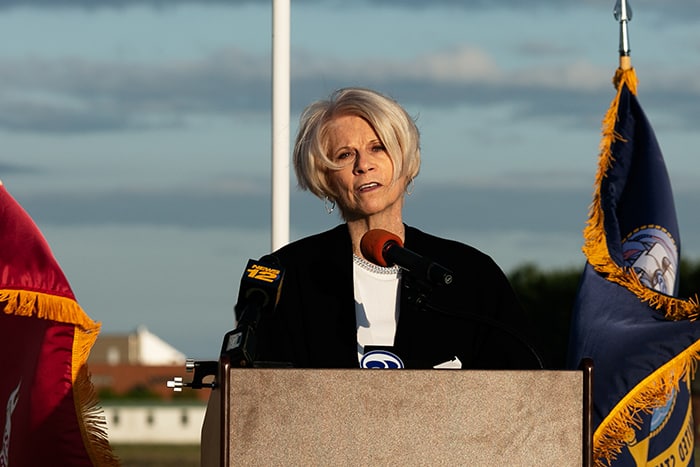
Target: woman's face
{"x": 363, "y": 186}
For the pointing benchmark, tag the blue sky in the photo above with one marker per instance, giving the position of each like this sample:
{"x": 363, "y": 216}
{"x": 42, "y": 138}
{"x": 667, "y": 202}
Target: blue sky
{"x": 137, "y": 133}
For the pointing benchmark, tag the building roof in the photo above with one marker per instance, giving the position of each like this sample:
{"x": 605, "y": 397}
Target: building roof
{"x": 140, "y": 347}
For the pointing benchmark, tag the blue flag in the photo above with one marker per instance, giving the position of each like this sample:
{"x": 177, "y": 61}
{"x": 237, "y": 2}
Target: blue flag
{"x": 644, "y": 341}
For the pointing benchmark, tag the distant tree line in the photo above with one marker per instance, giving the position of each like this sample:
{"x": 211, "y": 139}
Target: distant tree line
{"x": 143, "y": 393}
{"x": 549, "y": 296}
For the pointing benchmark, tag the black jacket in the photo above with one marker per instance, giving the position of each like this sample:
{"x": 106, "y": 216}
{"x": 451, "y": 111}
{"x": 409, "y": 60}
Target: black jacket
{"x": 314, "y": 324}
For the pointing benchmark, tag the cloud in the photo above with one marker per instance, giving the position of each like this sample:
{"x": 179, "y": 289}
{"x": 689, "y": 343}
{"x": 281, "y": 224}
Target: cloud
{"x": 687, "y": 6}
{"x": 494, "y": 207}
{"x": 178, "y": 208}
{"x": 17, "y": 169}
{"x": 91, "y": 5}
{"x": 79, "y": 95}
{"x": 460, "y": 65}
{"x": 532, "y": 207}
{"x": 540, "y": 48}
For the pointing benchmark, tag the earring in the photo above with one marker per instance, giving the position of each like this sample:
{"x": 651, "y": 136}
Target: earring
{"x": 411, "y": 185}
{"x": 329, "y": 204}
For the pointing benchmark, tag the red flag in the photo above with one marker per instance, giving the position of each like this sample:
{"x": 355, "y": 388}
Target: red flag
{"x": 48, "y": 406}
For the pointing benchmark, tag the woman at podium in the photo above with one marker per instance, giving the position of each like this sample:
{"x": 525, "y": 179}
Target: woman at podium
{"x": 402, "y": 298}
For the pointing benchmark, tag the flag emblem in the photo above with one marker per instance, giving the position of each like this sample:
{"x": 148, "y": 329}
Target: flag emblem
{"x": 652, "y": 254}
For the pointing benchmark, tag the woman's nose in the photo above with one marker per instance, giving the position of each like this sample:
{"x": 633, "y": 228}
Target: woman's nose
{"x": 363, "y": 162}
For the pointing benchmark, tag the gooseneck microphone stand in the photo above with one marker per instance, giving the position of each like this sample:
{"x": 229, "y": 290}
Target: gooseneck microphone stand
{"x": 418, "y": 294}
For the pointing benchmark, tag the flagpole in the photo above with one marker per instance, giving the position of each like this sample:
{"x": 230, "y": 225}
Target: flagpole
{"x": 280, "y": 121}
{"x": 623, "y": 14}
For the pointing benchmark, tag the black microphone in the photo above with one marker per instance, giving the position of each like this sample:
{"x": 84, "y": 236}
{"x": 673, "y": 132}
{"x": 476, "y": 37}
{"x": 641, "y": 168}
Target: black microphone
{"x": 386, "y": 249}
{"x": 257, "y": 297}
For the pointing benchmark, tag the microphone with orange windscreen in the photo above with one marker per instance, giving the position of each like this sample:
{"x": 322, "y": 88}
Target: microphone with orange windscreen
{"x": 386, "y": 249}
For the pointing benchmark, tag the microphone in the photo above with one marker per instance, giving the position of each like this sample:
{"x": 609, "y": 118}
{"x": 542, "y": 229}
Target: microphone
{"x": 258, "y": 295}
{"x": 386, "y": 249}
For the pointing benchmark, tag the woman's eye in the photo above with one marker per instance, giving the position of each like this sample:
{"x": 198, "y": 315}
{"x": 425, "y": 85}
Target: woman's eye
{"x": 378, "y": 148}
{"x": 343, "y": 156}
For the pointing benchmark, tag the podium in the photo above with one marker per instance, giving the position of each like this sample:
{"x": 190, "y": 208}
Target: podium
{"x": 351, "y": 417}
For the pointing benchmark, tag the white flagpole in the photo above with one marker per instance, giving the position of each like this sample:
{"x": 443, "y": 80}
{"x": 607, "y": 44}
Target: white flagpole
{"x": 281, "y": 19}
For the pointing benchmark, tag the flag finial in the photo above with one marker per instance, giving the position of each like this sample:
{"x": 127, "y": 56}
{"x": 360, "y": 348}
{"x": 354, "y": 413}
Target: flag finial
{"x": 623, "y": 14}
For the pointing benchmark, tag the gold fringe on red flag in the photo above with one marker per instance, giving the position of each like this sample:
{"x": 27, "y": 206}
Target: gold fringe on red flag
{"x": 93, "y": 425}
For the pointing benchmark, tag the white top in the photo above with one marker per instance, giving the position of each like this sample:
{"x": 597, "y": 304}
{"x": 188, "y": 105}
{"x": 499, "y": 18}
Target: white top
{"x": 376, "y": 303}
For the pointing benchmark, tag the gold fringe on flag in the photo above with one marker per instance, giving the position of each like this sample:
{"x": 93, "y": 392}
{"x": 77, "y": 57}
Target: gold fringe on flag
{"x": 93, "y": 425}
{"x": 45, "y": 306}
{"x": 618, "y": 427}
{"x": 595, "y": 245}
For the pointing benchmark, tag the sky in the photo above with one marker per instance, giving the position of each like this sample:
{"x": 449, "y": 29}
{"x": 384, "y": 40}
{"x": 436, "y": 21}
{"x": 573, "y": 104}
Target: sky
{"x": 137, "y": 134}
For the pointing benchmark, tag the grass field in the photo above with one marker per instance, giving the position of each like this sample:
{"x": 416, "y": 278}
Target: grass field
{"x": 132, "y": 455}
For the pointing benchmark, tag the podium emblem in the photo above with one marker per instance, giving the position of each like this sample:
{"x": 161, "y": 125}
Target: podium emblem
{"x": 381, "y": 359}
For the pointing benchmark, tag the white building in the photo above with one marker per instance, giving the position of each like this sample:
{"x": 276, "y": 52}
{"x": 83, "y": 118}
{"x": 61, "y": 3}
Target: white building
{"x": 152, "y": 423}
{"x": 121, "y": 362}
{"x": 140, "y": 347}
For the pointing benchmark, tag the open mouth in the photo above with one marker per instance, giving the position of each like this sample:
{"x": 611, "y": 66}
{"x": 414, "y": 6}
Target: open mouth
{"x": 367, "y": 186}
